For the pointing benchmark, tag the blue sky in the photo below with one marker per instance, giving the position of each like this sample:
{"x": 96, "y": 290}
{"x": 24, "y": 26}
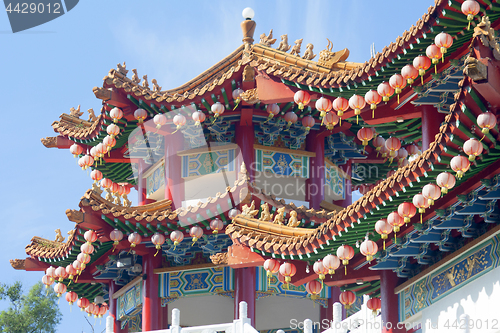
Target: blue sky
{"x": 50, "y": 68}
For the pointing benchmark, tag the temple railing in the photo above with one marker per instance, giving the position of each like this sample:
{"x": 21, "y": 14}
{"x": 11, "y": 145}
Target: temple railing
{"x": 362, "y": 321}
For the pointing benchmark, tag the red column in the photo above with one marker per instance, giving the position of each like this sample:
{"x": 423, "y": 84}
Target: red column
{"x": 390, "y": 304}
{"x": 348, "y": 186}
{"x": 244, "y": 140}
{"x": 163, "y": 317}
{"x": 431, "y": 121}
{"x": 151, "y": 302}
{"x": 174, "y": 183}
{"x": 326, "y": 314}
{"x": 315, "y": 185}
{"x": 244, "y": 290}
{"x": 113, "y": 309}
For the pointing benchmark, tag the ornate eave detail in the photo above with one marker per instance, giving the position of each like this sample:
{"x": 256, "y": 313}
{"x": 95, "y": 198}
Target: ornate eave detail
{"x": 219, "y": 258}
{"x": 487, "y": 35}
{"x": 49, "y": 141}
{"x": 250, "y": 96}
{"x": 475, "y": 69}
{"x": 74, "y": 215}
{"x": 18, "y": 264}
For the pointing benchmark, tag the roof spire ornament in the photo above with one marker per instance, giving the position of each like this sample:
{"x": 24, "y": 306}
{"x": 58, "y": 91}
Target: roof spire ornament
{"x": 248, "y": 26}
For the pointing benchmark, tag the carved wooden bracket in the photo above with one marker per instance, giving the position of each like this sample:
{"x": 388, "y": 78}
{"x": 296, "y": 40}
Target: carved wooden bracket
{"x": 475, "y": 69}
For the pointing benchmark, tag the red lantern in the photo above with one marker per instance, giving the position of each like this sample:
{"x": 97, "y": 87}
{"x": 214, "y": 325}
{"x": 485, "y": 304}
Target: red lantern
{"x": 216, "y": 225}
{"x": 383, "y": 228}
{"x": 460, "y": 164}
{"x": 271, "y": 266}
{"x": 302, "y": 98}
{"x": 330, "y": 120}
{"x": 446, "y": 181}
{"x": 86, "y": 161}
{"x": 83, "y": 259}
{"x": 103, "y": 309}
{"x": 402, "y": 155}
{"x": 47, "y": 281}
{"x": 392, "y": 144}
{"x": 157, "y": 239}
{"x": 422, "y": 63}
{"x": 90, "y": 236}
{"x": 444, "y": 41}
{"x": 106, "y": 183}
{"x": 288, "y": 270}
{"x": 134, "y": 239}
{"x": 385, "y": 90}
{"x": 397, "y": 82}
{"x": 314, "y": 288}
{"x": 434, "y": 53}
{"x": 96, "y": 175}
{"x": 90, "y": 309}
{"x": 412, "y": 150}
{"x": 75, "y": 149}
{"x": 83, "y": 303}
{"x": 409, "y": 73}
{"x": 373, "y": 98}
{"x": 87, "y": 248}
{"x": 340, "y": 104}
{"x": 396, "y": 221}
{"x": 71, "y": 271}
{"x": 60, "y": 288}
{"x": 176, "y": 236}
{"x": 160, "y": 120}
{"x": 345, "y": 253}
{"x": 470, "y": 8}
{"x": 71, "y": 297}
{"x": 374, "y": 304}
{"x": 407, "y": 210}
{"x": 308, "y": 122}
{"x": 368, "y": 248}
{"x": 364, "y": 135}
{"x": 379, "y": 142}
{"x": 272, "y": 110}
{"x": 319, "y": 269}
{"x": 323, "y": 105}
{"x": 431, "y": 192}
{"x": 196, "y": 233}
{"x": 140, "y": 115}
{"x": 198, "y": 117}
{"x": 420, "y": 202}
{"x": 290, "y": 118}
{"x": 113, "y": 130}
{"x": 331, "y": 263}
{"x": 486, "y": 121}
{"x": 473, "y": 148}
{"x": 347, "y": 298}
{"x": 357, "y": 102}
{"x": 109, "y": 142}
{"x": 77, "y": 265}
{"x": 116, "y": 114}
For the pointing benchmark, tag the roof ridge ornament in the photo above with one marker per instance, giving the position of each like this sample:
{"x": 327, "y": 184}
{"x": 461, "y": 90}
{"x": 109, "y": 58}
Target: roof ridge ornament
{"x": 248, "y": 26}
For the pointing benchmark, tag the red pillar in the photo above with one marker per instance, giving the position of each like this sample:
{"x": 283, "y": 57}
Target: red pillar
{"x": 315, "y": 185}
{"x": 244, "y": 140}
{"x": 390, "y": 304}
{"x": 174, "y": 183}
{"x": 151, "y": 302}
{"x": 431, "y": 121}
{"x": 348, "y": 186}
{"x": 163, "y": 317}
{"x": 326, "y": 314}
{"x": 244, "y": 290}
{"x": 113, "y": 309}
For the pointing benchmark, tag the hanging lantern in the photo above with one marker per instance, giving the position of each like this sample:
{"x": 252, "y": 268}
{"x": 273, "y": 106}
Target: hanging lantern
{"x": 47, "y": 281}
{"x": 470, "y": 8}
{"x": 364, "y": 135}
{"x": 422, "y": 63}
{"x": 216, "y": 225}
{"x": 374, "y": 304}
{"x": 486, "y": 121}
{"x": 140, "y": 115}
{"x": 407, "y": 210}
{"x": 103, "y": 309}
{"x": 176, "y": 236}
{"x": 409, "y": 73}
{"x": 323, "y": 105}
{"x": 460, "y": 164}
{"x": 60, "y": 273}
{"x": 196, "y": 233}
{"x": 398, "y": 83}
{"x": 71, "y": 297}
{"x": 402, "y": 155}
{"x": 314, "y": 288}
{"x": 134, "y": 239}
{"x": 77, "y": 265}
{"x": 116, "y": 114}
{"x": 109, "y": 142}
{"x": 87, "y": 161}
{"x": 308, "y": 122}
{"x": 90, "y": 236}
{"x": 446, "y": 181}
{"x": 116, "y": 236}
{"x": 233, "y": 213}
{"x": 301, "y": 98}
{"x": 373, "y": 98}
{"x": 60, "y": 288}
{"x": 271, "y": 266}
{"x": 113, "y": 130}
{"x": 420, "y": 202}
{"x": 87, "y": 249}
{"x": 434, "y": 53}
{"x": 383, "y": 228}
{"x": 160, "y": 120}
{"x": 473, "y": 148}
{"x": 396, "y": 221}
{"x": 357, "y": 102}
{"x": 237, "y": 97}
{"x": 198, "y": 117}
{"x": 157, "y": 239}
{"x": 385, "y": 90}
{"x": 90, "y": 309}
{"x": 319, "y": 269}
{"x": 330, "y": 120}
{"x": 340, "y": 104}
{"x": 288, "y": 270}
{"x": 347, "y": 298}
{"x": 179, "y": 121}
{"x": 217, "y": 109}
{"x": 75, "y": 149}
{"x": 345, "y": 253}
{"x": 71, "y": 271}
{"x": 378, "y": 143}
{"x": 272, "y": 110}
{"x": 290, "y": 118}
{"x": 82, "y": 303}
{"x": 392, "y": 144}
{"x": 412, "y": 150}
{"x": 101, "y": 149}
{"x": 331, "y": 263}
{"x": 84, "y": 259}
{"x": 431, "y": 192}
{"x": 368, "y": 248}
{"x": 51, "y": 272}
{"x": 444, "y": 41}
{"x": 96, "y": 175}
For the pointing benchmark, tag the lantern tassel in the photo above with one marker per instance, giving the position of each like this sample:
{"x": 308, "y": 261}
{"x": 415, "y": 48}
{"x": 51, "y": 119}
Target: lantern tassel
{"x": 157, "y": 250}
{"x": 421, "y": 218}
{"x": 468, "y": 27}
{"x": 236, "y": 105}
{"x": 384, "y": 244}
{"x": 70, "y": 282}
{"x": 422, "y": 79}
{"x": 345, "y": 270}
{"x": 76, "y": 280}
{"x": 340, "y": 121}
{"x": 482, "y": 138}
{"x": 373, "y": 113}
{"x": 357, "y": 119}
{"x": 398, "y": 98}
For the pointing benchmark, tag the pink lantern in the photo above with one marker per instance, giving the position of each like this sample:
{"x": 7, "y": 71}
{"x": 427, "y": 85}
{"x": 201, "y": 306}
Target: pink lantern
{"x": 101, "y": 150}
{"x": 330, "y": 120}
{"x": 288, "y": 270}
{"x": 179, "y": 121}
{"x": 116, "y": 236}
{"x": 86, "y": 161}
{"x": 106, "y": 183}
{"x": 272, "y": 109}
{"x": 113, "y": 130}
{"x": 308, "y": 122}
{"x": 397, "y": 82}
{"x": 422, "y": 63}
{"x": 83, "y": 259}
{"x": 290, "y": 118}
{"x": 237, "y": 96}
{"x": 216, "y": 225}
{"x": 78, "y": 266}
{"x": 176, "y": 236}
{"x": 75, "y": 149}
{"x": 60, "y": 288}
{"x": 434, "y": 53}
{"x": 368, "y": 248}
{"x": 470, "y": 8}
{"x": 347, "y": 298}
{"x": 233, "y": 213}
{"x": 134, "y": 239}
{"x": 460, "y": 164}
{"x": 83, "y": 303}
{"x": 217, "y": 109}
{"x": 331, "y": 262}
{"x": 431, "y": 192}
{"x": 114, "y": 188}
{"x": 446, "y": 181}
{"x": 444, "y": 41}
{"x": 486, "y": 121}
{"x": 378, "y": 143}
{"x": 392, "y": 144}
{"x": 340, "y": 104}
{"x": 409, "y": 73}
{"x": 140, "y": 115}
{"x": 345, "y": 253}
{"x": 90, "y": 236}
{"x": 301, "y": 98}
{"x": 87, "y": 248}
{"x": 319, "y": 269}
{"x": 96, "y": 175}
{"x": 61, "y": 273}
{"x": 71, "y": 270}
{"x": 364, "y": 135}
{"x": 412, "y": 150}
{"x": 473, "y": 148}
{"x": 383, "y": 228}
{"x": 407, "y": 210}
{"x": 157, "y": 239}
{"x": 314, "y": 288}
{"x": 109, "y": 142}
{"x": 373, "y": 98}
{"x": 196, "y": 233}
{"x": 271, "y": 266}
{"x": 71, "y": 297}
{"x": 396, "y": 221}
{"x": 356, "y": 103}
{"x": 47, "y": 281}
{"x": 198, "y": 117}
{"x": 323, "y": 105}
{"x": 116, "y": 114}
{"x": 385, "y": 90}
{"x": 160, "y": 120}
